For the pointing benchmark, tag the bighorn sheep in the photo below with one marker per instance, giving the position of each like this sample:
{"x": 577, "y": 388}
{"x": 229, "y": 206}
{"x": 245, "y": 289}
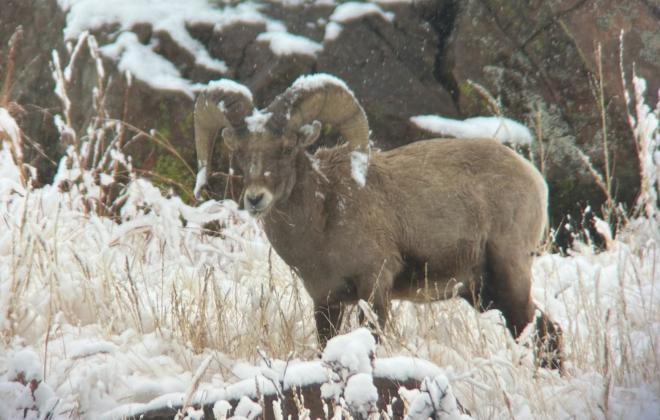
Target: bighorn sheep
{"x": 423, "y": 219}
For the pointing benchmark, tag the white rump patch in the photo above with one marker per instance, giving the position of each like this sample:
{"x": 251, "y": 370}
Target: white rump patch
{"x": 501, "y": 129}
{"x": 228, "y": 85}
{"x": 284, "y": 43}
{"x": 256, "y": 122}
{"x": 359, "y": 166}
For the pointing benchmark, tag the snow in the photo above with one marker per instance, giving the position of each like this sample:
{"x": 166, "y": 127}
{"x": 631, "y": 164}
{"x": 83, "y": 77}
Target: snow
{"x": 286, "y": 44}
{"x": 142, "y": 62}
{"x": 350, "y": 11}
{"x": 247, "y": 408}
{"x": 502, "y": 129}
{"x": 228, "y": 85}
{"x": 201, "y": 179}
{"x": 332, "y": 31}
{"x": 346, "y": 356}
{"x": 165, "y": 15}
{"x": 351, "y": 353}
{"x": 435, "y": 399}
{"x": 26, "y": 365}
{"x": 256, "y": 122}
{"x": 318, "y": 81}
{"x": 86, "y": 348}
{"x": 172, "y": 17}
{"x": 221, "y": 409}
{"x": 10, "y": 182}
{"x": 9, "y": 128}
{"x": 361, "y": 395}
{"x": 402, "y": 368}
{"x": 359, "y": 166}
{"x": 22, "y": 391}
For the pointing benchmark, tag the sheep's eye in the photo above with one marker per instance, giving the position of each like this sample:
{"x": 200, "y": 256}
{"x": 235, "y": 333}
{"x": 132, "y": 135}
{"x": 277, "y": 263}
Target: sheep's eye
{"x": 287, "y": 150}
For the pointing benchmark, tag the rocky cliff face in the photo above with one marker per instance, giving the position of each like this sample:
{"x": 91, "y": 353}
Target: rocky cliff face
{"x": 402, "y": 59}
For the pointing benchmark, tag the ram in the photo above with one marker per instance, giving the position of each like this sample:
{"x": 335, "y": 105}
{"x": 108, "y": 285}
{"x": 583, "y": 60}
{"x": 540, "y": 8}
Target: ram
{"x": 421, "y": 222}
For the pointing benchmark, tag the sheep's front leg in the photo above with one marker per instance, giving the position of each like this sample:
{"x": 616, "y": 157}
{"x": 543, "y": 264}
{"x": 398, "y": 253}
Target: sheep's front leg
{"x": 328, "y": 316}
{"x": 376, "y": 289}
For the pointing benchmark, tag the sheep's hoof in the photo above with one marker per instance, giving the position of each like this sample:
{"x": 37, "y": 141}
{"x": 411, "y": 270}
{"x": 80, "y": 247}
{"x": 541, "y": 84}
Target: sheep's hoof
{"x": 548, "y": 345}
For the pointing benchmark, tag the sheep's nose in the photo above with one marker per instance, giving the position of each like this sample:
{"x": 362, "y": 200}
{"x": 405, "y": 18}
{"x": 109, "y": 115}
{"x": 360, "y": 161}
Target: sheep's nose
{"x": 255, "y": 199}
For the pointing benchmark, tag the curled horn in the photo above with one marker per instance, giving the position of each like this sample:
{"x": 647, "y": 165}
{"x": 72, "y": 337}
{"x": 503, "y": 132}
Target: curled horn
{"x": 324, "y": 98}
{"x": 223, "y": 103}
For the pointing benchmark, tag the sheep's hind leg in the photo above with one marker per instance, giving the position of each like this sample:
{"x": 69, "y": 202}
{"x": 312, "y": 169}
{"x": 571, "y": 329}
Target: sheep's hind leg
{"x": 507, "y": 287}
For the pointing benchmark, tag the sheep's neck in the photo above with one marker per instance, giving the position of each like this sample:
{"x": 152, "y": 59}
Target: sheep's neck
{"x": 298, "y": 222}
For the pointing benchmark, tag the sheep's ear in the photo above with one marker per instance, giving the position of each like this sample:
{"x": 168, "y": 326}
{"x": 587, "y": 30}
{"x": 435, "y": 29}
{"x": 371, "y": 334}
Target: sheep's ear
{"x": 229, "y": 136}
{"x": 309, "y": 133}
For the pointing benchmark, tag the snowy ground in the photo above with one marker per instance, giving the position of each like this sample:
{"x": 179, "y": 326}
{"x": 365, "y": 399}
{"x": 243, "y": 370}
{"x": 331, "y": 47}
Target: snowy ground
{"x": 103, "y": 314}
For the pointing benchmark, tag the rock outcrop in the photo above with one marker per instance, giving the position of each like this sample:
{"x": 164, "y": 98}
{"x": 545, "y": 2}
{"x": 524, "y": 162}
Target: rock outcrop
{"x": 402, "y": 59}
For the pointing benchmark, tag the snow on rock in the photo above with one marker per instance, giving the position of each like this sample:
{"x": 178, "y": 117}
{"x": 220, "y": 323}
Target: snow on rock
{"x": 349, "y": 11}
{"x": 142, "y": 62}
{"x": 361, "y": 395}
{"x": 166, "y": 15}
{"x": 359, "y": 166}
{"x": 502, "y": 129}
{"x": 404, "y": 368}
{"x": 299, "y": 374}
{"x": 351, "y": 353}
{"x": 345, "y": 356}
{"x": 434, "y": 399}
{"x": 332, "y": 31}
{"x": 171, "y": 16}
{"x": 285, "y": 44}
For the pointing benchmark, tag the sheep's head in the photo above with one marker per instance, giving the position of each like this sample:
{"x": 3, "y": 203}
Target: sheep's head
{"x": 266, "y": 144}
